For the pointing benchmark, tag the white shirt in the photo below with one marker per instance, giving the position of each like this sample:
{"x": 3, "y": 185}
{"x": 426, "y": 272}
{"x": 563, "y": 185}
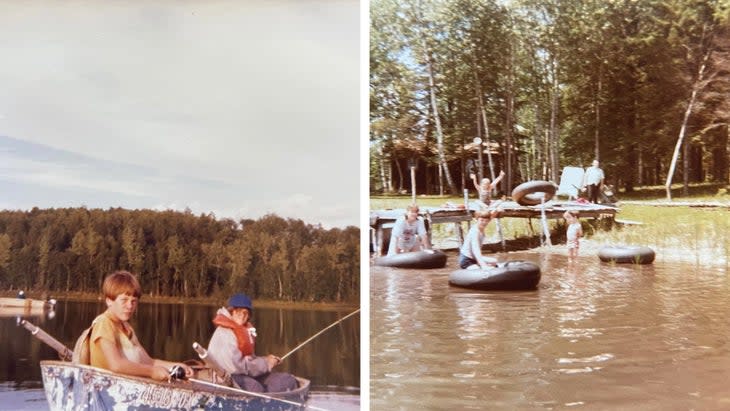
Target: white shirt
{"x": 594, "y": 175}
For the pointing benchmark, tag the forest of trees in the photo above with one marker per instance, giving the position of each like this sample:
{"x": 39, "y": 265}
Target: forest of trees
{"x": 641, "y": 85}
{"x": 178, "y": 254}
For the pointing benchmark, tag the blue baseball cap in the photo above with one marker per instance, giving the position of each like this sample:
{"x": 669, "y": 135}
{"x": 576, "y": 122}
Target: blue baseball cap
{"x": 240, "y": 301}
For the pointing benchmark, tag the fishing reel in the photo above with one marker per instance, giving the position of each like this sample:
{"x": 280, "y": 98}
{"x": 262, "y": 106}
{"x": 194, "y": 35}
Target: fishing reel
{"x": 177, "y": 372}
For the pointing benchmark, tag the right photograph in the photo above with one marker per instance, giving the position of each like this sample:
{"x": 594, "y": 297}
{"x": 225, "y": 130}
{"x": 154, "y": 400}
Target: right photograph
{"x": 549, "y": 205}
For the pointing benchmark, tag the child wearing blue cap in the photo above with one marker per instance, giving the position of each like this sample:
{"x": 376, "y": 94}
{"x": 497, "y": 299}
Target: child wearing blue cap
{"x": 233, "y": 343}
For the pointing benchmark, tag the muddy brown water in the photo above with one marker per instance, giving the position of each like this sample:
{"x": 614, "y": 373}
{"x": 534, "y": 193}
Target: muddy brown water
{"x": 593, "y": 336}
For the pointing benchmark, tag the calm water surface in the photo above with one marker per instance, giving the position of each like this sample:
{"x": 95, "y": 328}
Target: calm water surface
{"x": 593, "y": 336}
{"x": 331, "y": 361}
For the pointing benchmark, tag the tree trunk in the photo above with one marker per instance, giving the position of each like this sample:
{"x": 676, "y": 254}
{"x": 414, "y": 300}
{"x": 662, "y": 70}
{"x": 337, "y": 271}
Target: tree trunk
{"x": 553, "y": 134}
{"x": 443, "y": 166}
{"x": 719, "y": 154}
{"x": 508, "y": 124}
{"x": 383, "y": 180}
{"x": 486, "y": 140}
{"x": 483, "y": 111}
{"x": 683, "y": 129}
{"x": 597, "y": 135}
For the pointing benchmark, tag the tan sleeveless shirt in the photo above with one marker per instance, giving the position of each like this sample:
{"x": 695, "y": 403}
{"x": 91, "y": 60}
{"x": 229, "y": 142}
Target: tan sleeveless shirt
{"x": 120, "y": 333}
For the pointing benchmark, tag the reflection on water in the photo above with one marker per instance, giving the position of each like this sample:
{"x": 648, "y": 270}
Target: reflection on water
{"x": 592, "y": 336}
{"x": 167, "y": 331}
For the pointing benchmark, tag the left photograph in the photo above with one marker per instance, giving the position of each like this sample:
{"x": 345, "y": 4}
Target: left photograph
{"x": 179, "y": 224}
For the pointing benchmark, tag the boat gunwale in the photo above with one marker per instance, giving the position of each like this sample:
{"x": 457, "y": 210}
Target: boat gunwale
{"x": 192, "y": 385}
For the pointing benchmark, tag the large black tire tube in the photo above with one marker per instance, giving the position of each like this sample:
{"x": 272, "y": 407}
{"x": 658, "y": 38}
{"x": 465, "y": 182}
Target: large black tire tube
{"x": 512, "y": 275}
{"x": 533, "y": 192}
{"x": 629, "y": 254}
{"x": 415, "y": 259}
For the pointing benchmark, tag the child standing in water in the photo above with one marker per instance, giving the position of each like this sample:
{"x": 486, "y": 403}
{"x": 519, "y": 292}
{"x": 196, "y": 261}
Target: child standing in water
{"x": 574, "y": 233}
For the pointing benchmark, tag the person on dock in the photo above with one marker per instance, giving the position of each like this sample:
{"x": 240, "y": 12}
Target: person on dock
{"x": 113, "y": 344}
{"x": 470, "y": 253}
{"x": 593, "y": 181}
{"x": 233, "y": 343}
{"x": 573, "y": 233}
{"x": 485, "y": 188}
{"x": 407, "y": 231}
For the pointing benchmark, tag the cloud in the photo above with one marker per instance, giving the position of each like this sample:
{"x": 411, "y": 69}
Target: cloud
{"x": 211, "y": 105}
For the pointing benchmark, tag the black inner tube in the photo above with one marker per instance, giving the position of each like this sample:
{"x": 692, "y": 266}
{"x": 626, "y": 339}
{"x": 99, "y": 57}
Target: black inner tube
{"x": 627, "y": 254}
{"x": 533, "y": 192}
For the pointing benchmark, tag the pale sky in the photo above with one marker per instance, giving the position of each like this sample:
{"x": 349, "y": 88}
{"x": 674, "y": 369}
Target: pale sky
{"x": 239, "y": 108}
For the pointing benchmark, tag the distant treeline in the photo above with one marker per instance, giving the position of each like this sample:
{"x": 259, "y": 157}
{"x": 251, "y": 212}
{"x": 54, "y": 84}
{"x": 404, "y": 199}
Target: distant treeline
{"x": 178, "y": 254}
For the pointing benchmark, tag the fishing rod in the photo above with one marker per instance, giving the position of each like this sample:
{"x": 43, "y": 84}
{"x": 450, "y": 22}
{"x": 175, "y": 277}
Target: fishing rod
{"x": 210, "y": 361}
{"x": 316, "y": 335}
{"x": 255, "y": 394}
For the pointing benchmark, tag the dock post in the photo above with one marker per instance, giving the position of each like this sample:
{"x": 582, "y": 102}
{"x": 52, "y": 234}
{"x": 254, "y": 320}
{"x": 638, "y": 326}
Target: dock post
{"x": 413, "y": 181}
{"x": 499, "y": 232}
{"x": 379, "y": 240}
{"x": 543, "y": 217}
{"x": 429, "y": 223}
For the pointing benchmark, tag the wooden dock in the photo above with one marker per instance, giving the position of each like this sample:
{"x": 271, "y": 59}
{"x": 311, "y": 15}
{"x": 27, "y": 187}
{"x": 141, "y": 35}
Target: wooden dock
{"x": 382, "y": 221}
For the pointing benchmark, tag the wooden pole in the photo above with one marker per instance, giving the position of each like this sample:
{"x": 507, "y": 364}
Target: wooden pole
{"x": 413, "y": 184}
{"x": 543, "y": 217}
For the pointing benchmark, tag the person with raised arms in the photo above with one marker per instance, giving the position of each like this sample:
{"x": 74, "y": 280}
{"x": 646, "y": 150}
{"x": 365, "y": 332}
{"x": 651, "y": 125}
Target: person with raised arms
{"x": 484, "y": 189}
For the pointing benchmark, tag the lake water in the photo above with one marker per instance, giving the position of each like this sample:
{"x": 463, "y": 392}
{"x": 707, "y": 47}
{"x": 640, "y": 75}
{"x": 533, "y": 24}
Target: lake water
{"x": 331, "y": 361}
{"x": 593, "y": 336}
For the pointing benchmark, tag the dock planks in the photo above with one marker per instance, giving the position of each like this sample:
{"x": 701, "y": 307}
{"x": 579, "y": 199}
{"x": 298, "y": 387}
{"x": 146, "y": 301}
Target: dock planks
{"x": 382, "y": 220}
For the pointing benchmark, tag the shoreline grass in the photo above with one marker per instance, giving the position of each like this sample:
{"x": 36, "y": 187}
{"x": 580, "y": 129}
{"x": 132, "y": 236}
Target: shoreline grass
{"x": 683, "y": 233}
{"x": 208, "y": 301}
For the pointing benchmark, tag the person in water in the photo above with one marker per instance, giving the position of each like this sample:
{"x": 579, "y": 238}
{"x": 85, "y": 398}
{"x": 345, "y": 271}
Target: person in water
{"x": 233, "y": 347}
{"x": 409, "y": 233}
{"x": 113, "y": 345}
{"x": 470, "y": 253}
{"x": 573, "y": 233}
{"x": 485, "y": 188}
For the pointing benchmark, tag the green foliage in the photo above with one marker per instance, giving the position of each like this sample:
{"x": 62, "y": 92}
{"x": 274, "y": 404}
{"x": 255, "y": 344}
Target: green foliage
{"x": 178, "y": 254}
{"x": 559, "y": 82}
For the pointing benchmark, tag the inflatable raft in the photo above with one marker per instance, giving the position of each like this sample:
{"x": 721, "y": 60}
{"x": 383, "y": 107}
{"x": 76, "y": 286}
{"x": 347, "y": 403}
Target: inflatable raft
{"x": 512, "y": 275}
{"x": 629, "y": 254}
{"x": 416, "y": 259}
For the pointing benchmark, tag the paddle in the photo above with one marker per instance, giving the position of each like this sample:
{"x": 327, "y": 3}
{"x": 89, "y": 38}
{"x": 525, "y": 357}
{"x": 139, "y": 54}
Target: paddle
{"x": 213, "y": 364}
{"x": 316, "y": 335}
{"x": 64, "y": 352}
